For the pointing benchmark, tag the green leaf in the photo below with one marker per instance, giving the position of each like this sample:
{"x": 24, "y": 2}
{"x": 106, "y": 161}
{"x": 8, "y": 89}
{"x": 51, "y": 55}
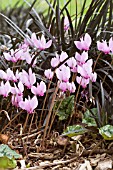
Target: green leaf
{"x": 7, "y": 163}
{"x": 88, "y": 117}
{"x": 6, "y": 151}
{"x": 74, "y": 131}
{"x": 65, "y": 108}
{"x": 107, "y": 132}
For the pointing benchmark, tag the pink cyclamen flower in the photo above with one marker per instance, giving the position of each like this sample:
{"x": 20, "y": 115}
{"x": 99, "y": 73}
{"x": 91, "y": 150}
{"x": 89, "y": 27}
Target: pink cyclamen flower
{"x": 18, "y": 90}
{"x": 71, "y": 62}
{"x": 55, "y": 61}
{"x": 13, "y": 56}
{"x": 40, "y": 89}
{"x": 93, "y": 77}
{"x": 29, "y": 104}
{"x": 25, "y": 55}
{"x": 84, "y": 43}
{"x": 66, "y": 23}
{"x": 86, "y": 69}
{"x": 63, "y": 56}
{"x": 16, "y": 99}
{"x": 28, "y": 79}
{"x": 59, "y": 58}
{"x": 71, "y": 87}
{"x": 81, "y": 59}
{"x": 82, "y": 81}
{"x": 28, "y": 58}
{"x": 5, "y": 89}
{"x": 8, "y": 75}
{"x": 63, "y": 86}
{"x": 48, "y": 73}
{"x": 63, "y": 73}
{"x": 102, "y": 46}
{"x": 40, "y": 43}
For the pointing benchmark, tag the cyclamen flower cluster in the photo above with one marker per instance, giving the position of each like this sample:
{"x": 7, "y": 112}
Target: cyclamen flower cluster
{"x": 77, "y": 64}
{"x": 20, "y": 81}
{"x": 13, "y": 83}
{"x": 19, "y": 55}
{"x": 39, "y": 43}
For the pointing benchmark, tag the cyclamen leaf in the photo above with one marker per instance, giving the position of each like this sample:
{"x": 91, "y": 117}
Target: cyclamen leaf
{"x": 5, "y": 150}
{"x": 88, "y": 117}
{"x": 74, "y": 131}
{"x": 66, "y": 108}
{"x": 107, "y": 132}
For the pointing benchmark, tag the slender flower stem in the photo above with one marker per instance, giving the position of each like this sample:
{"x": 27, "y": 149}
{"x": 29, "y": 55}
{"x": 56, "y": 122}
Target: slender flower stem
{"x": 49, "y": 115}
{"x": 44, "y": 105}
{"x": 44, "y": 102}
{"x": 30, "y": 126}
{"x": 75, "y": 105}
{"x": 11, "y": 121}
{"x": 96, "y": 61}
{"x": 27, "y": 117}
{"x": 53, "y": 117}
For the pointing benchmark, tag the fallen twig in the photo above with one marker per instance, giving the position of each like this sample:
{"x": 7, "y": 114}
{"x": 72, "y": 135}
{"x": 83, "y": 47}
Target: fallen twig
{"x": 50, "y": 164}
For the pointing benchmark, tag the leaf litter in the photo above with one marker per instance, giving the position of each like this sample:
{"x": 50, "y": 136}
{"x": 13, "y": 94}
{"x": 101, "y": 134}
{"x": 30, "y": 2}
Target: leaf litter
{"x": 81, "y": 152}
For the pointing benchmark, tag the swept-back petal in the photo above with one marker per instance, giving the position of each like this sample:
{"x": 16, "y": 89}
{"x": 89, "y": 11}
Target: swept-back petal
{"x": 34, "y": 102}
{"x": 63, "y": 56}
{"x": 22, "y": 105}
{"x": 33, "y": 38}
{"x": 87, "y": 39}
{"x": 78, "y": 44}
{"x": 48, "y": 44}
{"x": 21, "y": 86}
{"x": 34, "y": 90}
{"x": 43, "y": 40}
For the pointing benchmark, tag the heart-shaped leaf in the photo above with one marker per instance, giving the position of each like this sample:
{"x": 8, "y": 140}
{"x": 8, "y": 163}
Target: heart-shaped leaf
{"x": 74, "y": 131}
{"x": 107, "y": 132}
